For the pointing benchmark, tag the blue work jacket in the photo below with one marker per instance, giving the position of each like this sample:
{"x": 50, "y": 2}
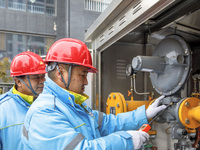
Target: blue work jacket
{"x": 55, "y": 122}
{"x": 12, "y": 113}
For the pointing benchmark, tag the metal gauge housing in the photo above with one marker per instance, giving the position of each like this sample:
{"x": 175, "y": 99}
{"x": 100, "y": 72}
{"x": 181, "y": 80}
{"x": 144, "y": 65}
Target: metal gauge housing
{"x": 129, "y": 70}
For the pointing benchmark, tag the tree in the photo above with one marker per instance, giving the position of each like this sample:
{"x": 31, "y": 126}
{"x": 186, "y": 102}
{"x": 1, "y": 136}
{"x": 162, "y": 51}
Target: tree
{"x": 4, "y": 69}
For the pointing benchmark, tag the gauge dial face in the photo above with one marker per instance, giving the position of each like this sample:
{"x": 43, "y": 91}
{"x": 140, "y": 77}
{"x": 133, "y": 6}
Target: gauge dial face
{"x": 129, "y": 70}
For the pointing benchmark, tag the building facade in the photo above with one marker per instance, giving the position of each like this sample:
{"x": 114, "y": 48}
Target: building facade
{"x": 34, "y": 25}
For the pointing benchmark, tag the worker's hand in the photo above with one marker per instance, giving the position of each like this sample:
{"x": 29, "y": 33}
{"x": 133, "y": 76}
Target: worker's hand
{"x": 138, "y": 137}
{"x": 153, "y": 109}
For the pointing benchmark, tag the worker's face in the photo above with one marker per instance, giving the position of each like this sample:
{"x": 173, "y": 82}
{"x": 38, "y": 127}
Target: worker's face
{"x": 37, "y": 83}
{"x": 78, "y": 79}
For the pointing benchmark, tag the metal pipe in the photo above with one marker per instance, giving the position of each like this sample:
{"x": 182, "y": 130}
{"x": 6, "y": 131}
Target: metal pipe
{"x": 149, "y": 64}
{"x": 99, "y": 79}
{"x": 199, "y": 83}
{"x": 195, "y": 85}
{"x": 135, "y": 87}
{"x": 132, "y": 86}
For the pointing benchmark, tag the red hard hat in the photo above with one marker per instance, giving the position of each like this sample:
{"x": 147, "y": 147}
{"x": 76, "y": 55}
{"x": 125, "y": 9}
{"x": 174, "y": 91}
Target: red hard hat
{"x": 27, "y": 63}
{"x": 72, "y": 51}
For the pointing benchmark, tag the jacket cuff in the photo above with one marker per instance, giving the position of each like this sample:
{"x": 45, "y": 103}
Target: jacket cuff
{"x": 140, "y": 116}
{"x": 124, "y": 134}
{"x": 127, "y": 137}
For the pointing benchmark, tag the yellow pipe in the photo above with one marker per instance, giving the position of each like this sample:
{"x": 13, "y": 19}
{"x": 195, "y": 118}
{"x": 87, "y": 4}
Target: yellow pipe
{"x": 189, "y": 111}
{"x": 116, "y": 103}
{"x": 133, "y": 105}
{"x": 195, "y": 113}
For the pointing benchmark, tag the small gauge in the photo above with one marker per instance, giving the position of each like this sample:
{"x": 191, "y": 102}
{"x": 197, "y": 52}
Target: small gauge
{"x": 129, "y": 70}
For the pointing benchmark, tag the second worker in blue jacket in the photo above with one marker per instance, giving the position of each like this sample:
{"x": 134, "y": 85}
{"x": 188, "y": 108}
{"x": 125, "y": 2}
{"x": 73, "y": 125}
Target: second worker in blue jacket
{"x": 28, "y": 72}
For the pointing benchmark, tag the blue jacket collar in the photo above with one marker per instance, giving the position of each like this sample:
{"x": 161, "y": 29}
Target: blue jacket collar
{"x": 16, "y": 97}
{"x": 54, "y": 89}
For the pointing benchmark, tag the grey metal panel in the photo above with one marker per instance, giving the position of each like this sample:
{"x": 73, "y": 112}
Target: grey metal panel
{"x": 106, "y": 16}
{"x": 192, "y": 21}
{"x": 133, "y": 15}
{"x": 113, "y": 77}
{"x": 177, "y": 12}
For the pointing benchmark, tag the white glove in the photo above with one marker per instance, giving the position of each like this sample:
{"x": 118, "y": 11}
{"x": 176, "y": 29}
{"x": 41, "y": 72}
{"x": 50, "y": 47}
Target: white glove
{"x": 138, "y": 137}
{"x": 153, "y": 109}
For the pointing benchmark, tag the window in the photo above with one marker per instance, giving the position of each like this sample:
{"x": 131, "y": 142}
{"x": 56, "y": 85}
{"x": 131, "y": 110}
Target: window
{"x": 2, "y": 45}
{"x": 17, "y": 43}
{"x": 97, "y": 5}
{"x": 20, "y": 38}
{"x": 17, "y": 4}
{"x": 36, "y": 44}
{"x": 50, "y": 10}
{"x": 50, "y": 7}
{"x": 36, "y": 7}
{"x": 40, "y": 7}
{"x": 33, "y": 6}
{"x": 50, "y": 2}
{"x": 2, "y": 3}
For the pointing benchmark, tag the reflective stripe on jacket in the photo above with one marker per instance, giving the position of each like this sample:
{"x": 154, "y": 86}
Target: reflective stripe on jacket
{"x": 55, "y": 122}
{"x": 12, "y": 113}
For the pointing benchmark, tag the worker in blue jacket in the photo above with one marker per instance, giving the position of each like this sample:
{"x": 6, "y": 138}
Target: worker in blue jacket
{"x": 60, "y": 120}
{"x": 28, "y": 70}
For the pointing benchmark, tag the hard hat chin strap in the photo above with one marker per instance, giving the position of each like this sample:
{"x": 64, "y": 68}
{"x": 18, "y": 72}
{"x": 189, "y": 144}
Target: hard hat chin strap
{"x": 69, "y": 76}
{"x": 30, "y": 88}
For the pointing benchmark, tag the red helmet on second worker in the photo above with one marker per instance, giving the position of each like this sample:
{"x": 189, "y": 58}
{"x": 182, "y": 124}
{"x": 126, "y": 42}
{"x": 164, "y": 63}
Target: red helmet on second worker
{"x": 27, "y": 63}
{"x": 70, "y": 51}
